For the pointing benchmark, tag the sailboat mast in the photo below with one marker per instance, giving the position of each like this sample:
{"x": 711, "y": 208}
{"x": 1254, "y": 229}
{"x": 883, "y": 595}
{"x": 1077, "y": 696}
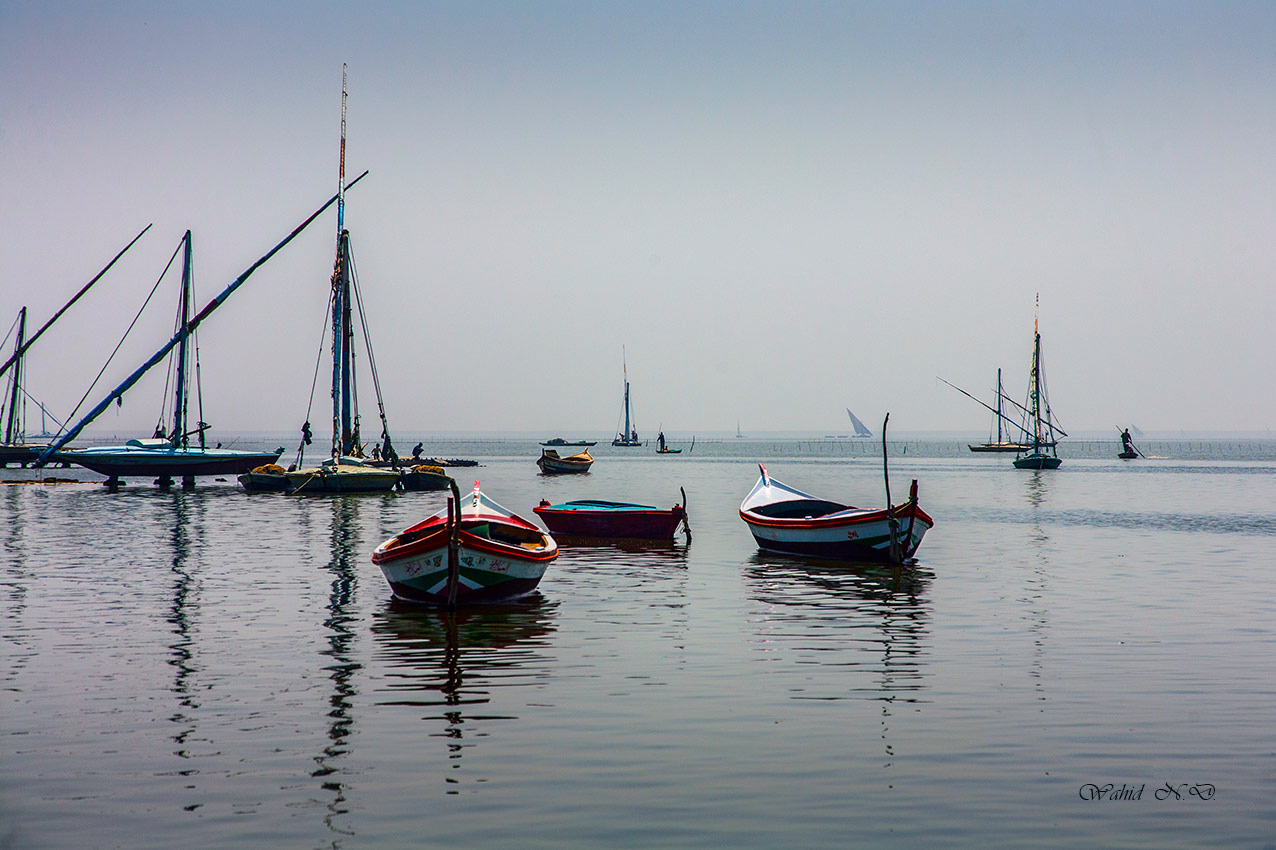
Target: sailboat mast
{"x": 1036, "y": 391}
{"x": 339, "y": 293}
{"x": 179, "y": 401}
{"x": 12, "y": 423}
{"x": 347, "y": 350}
{"x": 1000, "y": 438}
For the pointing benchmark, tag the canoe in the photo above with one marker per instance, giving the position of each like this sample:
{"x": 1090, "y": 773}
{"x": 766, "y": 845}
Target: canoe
{"x": 599, "y": 518}
{"x": 552, "y": 464}
{"x": 500, "y": 555}
{"x": 784, "y": 519}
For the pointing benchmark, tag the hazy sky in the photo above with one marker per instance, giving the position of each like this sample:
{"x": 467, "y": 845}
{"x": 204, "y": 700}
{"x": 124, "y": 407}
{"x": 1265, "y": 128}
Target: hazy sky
{"x": 779, "y": 210}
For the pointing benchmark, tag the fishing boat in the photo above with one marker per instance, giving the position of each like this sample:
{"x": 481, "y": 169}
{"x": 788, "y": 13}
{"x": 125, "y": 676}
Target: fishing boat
{"x": 345, "y": 470}
{"x": 628, "y": 437}
{"x": 15, "y": 448}
{"x": 552, "y": 464}
{"x": 618, "y": 520}
{"x": 466, "y": 553}
{"x": 171, "y": 453}
{"x": 860, "y": 430}
{"x": 1039, "y": 426}
{"x": 784, "y": 519}
{"x": 424, "y": 476}
{"x": 559, "y": 442}
{"x": 1128, "y": 449}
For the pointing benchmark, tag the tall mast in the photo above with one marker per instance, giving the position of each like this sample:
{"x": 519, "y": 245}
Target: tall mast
{"x": 625, "y": 367}
{"x": 178, "y": 437}
{"x": 12, "y": 423}
{"x": 1035, "y": 382}
{"x": 339, "y": 294}
{"x": 1000, "y": 439}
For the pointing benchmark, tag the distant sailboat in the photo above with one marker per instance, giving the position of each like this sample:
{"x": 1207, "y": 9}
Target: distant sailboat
{"x": 629, "y": 436}
{"x": 737, "y": 429}
{"x": 860, "y": 430}
{"x": 1039, "y": 426}
{"x": 999, "y": 416}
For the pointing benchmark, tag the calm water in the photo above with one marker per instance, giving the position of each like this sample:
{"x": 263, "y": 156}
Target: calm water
{"x": 209, "y": 669}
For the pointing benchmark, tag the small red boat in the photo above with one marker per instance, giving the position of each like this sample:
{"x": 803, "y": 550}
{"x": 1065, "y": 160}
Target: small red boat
{"x": 598, "y": 518}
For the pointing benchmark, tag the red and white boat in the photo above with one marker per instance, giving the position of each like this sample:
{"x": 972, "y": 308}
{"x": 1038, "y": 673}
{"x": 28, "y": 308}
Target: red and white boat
{"x": 784, "y": 519}
{"x": 499, "y": 555}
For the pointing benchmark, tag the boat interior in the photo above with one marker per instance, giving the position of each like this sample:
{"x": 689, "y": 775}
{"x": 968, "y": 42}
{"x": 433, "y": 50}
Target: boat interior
{"x": 799, "y": 509}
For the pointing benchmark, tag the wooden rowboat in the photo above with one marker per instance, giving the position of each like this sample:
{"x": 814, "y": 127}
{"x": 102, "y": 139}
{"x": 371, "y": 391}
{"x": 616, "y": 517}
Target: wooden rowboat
{"x": 598, "y": 518}
{"x": 552, "y": 464}
{"x": 480, "y": 552}
{"x": 784, "y": 519}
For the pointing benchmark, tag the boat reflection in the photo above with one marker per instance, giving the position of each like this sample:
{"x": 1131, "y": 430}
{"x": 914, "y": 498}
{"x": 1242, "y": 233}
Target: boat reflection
{"x": 871, "y": 621}
{"x": 458, "y": 664}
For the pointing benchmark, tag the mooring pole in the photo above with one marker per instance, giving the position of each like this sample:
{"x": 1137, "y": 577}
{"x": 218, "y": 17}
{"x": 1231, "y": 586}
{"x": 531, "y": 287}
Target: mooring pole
{"x": 453, "y": 543}
{"x": 892, "y": 523}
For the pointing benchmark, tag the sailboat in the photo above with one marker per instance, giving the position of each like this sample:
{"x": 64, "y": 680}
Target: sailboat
{"x": 172, "y": 454}
{"x": 999, "y": 416}
{"x": 629, "y": 436}
{"x": 15, "y": 448}
{"x": 345, "y": 471}
{"x": 1039, "y": 426}
{"x": 860, "y": 430}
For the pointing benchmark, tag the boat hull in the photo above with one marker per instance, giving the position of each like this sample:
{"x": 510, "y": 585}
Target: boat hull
{"x": 551, "y": 464}
{"x": 1037, "y": 461}
{"x": 489, "y": 571}
{"x": 1000, "y": 447}
{"x": 145, "y": 461}
{"x": 610, "y": 520}
{"x": 19, "y": 453}
{"x": 425, "y": 478}
{"x": 1128, "y": 455}
{"x": 855, "y": 538}
{"x": 342, "y": 479}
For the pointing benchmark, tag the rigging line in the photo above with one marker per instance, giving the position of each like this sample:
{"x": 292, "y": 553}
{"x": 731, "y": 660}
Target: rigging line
{"x": 80, "y": 403}
{"x": 314, "y": 382}
{"x": 28, "y": 395}
{"x": 367, "y": 341}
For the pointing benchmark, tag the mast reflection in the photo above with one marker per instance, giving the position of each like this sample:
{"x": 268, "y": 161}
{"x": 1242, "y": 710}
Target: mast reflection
{"x": 454, "y": 662}
{"x": 339, "y": 648}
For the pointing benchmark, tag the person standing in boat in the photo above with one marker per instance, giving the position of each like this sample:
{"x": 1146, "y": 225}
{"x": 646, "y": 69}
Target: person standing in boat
{"x": 660, "y": 438}
{"x": 1127, "y": 442}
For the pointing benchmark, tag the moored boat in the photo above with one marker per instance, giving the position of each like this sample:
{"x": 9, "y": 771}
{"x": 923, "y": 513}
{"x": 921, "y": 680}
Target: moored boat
{"x": 784, "y": 519}
{"x": 345, "y": 470}
{"x": 171, "y": 454}
{"x": 551, "y": 463}
{"x": 475, "y": 552}
{"x": 600, "y": 518}
{"x": 424, "y": 477}
{"x": 1039, "y": 426}
{"x": 561, "y": 443}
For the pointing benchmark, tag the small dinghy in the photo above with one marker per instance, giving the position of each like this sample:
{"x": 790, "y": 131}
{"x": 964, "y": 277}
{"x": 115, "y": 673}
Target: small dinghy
{"x": 466, "y": 553}
{"x": 551, "y": 463}
{"x": 618, "y": 520}
{"x": 784, "y": 519}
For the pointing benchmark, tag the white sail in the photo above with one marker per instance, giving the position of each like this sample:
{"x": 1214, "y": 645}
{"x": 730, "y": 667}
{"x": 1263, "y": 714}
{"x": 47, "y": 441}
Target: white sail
{"x": 860, "y": 430}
